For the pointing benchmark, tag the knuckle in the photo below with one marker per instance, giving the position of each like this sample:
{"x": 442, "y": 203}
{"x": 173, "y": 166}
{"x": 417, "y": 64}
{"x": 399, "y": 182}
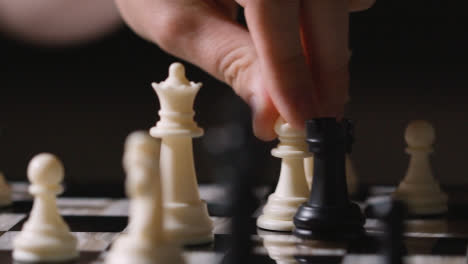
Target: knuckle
{"x": 168, "y": 29}
{"x": 234, "y": 66}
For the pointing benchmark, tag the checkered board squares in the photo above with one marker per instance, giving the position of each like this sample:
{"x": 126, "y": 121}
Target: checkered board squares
{"x": 97, "y": 222}
{"x": 8, "y": 220}
{"x": 87, "y": 241}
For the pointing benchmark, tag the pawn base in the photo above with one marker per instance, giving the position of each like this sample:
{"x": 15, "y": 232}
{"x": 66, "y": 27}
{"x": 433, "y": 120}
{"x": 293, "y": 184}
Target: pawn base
{"x": 430, "y": 203}
{"x": 37, "y": 247}
{"x": 279, "y": 212}
{"x": 138, "y": 251}
{"x": 188, "y": 224}
{"x": 264, "y": 222}
{"x": 329, "y": 223}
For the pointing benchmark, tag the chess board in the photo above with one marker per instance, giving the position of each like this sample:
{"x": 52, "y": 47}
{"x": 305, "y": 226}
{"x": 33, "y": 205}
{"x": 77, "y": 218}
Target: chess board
{"x": 97, "y": 222}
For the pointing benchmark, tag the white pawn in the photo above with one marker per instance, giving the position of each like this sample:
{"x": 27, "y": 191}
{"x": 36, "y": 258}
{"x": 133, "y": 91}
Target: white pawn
{"x": 5, "y": 192}
{"x": 145, "y": 242}
{"x": 45, "y": 237}
{"x": 292, "y": 190}
{"x": 419, "y": 189}
{"x": 186, "y": 215}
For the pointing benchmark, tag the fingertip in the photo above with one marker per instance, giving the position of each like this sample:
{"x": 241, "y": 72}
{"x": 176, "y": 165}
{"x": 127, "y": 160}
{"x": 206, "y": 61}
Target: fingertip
{"x": 298, "y": 123}
{"x": 360, "y": 5}
{"x": 264, "y": 132}
{"x": 302, "y": 108}
{"x": 264, "y": 118}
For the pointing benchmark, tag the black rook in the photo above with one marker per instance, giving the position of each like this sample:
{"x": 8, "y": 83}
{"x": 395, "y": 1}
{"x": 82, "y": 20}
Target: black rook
{"x": 329, "y": 214}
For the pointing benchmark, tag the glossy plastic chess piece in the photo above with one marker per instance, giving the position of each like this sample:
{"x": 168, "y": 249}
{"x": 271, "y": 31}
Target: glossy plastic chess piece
{"x": 186, "y": 215}
{"x": 329, "y": 214}
{"x": 419, "y": 189}
{"x": 45, "y": 237}
{"x": 145, "y": 241}
{"x": 291, "y": 190}
{"x": 351, "y": 176}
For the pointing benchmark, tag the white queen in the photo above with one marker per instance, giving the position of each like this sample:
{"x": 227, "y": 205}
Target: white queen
{"x": 176, "y": 96}
{"x": 186, "y": 218}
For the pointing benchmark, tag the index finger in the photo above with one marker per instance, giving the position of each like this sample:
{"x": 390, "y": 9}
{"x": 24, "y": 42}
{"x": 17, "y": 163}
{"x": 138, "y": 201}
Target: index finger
{"x": 274, "y": 26}
{"x": 325, "y": 27}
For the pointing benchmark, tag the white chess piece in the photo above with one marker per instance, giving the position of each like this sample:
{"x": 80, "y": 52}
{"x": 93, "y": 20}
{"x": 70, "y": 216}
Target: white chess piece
{"x": 292, "y": 189}
{"x": 351, "y": 177}
{"x": 145, "y": 242}
{"x": 419, "y": 189}
{"x": 186, "y": 215}
{"x": 309, "y": 170}
{"x": 5, "y": 192}
{"x": 45, "y": 237}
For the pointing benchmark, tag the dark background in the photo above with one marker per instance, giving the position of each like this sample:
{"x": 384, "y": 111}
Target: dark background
{"x": 409, "y": 62}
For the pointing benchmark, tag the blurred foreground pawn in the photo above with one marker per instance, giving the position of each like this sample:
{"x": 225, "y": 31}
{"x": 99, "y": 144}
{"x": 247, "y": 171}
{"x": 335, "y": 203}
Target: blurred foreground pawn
{"x": 419, "y": 189}
{"x": 392, "y": 214}
{"x": 45, "y": 237}
{"x": 145, "y": 242}
{"x": 186, "y": 216}
{"x": 5, "y": 192}
{"x": 292, "y": 190}
{"x": 329, "y": 214}
{"x": 242, "y": 205}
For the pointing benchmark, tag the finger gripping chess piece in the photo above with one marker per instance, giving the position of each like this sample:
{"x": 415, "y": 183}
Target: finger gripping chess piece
{"x": 419, "y": 189}
{"x": 45, "y": 237}
{"x": 145, "y": 242}
{"x": 329, "y": 214}
{"x": 292, "y": 189}
{"x": 5, "y": 192}
{"x": 186, "y": 215}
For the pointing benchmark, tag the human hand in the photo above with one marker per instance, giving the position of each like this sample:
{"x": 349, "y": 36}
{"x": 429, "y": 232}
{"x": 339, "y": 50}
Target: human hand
{"x": 292, "y": 61}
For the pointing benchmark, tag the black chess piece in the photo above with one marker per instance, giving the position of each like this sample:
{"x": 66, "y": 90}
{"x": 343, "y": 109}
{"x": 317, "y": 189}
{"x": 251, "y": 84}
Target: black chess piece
{"x": 242, "y": 205}
{"x": 329, "y": 214}
{"x": 392, "y": 214}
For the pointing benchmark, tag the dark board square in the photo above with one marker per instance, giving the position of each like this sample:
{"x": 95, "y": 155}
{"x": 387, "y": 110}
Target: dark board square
{"x": 219, "y": 210}
{"x": 5, "y": 257}
{"x": 450, "y": 246}
{"x": 18, "y": 207}
{"x": 85, "y": 257}
{"x": 76, "y": 223}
